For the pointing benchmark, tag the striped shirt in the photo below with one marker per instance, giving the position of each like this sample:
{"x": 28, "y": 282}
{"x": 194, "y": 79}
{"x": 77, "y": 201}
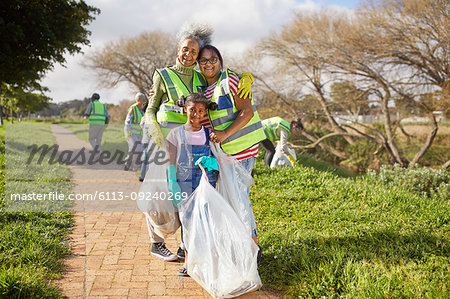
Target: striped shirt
{"x": 209, "y": 92}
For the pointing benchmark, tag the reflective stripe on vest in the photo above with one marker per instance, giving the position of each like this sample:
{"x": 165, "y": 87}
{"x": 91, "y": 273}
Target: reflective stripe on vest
{"x": 229, "y": 117}
{"x": 137, "y": 117}
{"x": 169, "y": 112}
{"x": 98, "y": 113}
{"x": 271, "y": 126}
{"x": 251, "y": 134}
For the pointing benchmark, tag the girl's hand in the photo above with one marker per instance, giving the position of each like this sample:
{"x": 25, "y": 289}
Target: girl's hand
{"x": 217, "y": 136}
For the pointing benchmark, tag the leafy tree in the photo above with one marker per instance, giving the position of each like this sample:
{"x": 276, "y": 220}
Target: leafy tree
{"x": 20, "y": 102}
{"x": 35, "y": 34}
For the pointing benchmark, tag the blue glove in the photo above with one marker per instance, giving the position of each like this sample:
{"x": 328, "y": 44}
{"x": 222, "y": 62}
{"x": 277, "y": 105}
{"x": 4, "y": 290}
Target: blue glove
{"x": 208, "y": 163}
{"x": 173, "y": 186}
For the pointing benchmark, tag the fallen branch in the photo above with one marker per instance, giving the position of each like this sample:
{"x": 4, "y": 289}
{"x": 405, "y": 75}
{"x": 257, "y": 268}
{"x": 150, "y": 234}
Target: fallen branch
{"x": 446, "y": 165}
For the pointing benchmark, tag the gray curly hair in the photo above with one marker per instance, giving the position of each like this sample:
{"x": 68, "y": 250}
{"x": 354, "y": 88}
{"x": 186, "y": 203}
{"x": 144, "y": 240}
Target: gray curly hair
{"x": 200, "y": 32}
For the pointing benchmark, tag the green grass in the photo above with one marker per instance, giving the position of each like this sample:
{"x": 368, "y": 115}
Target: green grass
{"x": 308, "y": 160}
{"x": 113, "y": 137}
{"x": 327, "y": 236}
{"x": 32, "y": 244}
{"x": 323, "y": 234}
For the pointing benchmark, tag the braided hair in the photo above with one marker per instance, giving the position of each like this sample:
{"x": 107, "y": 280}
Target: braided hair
{"x": 196, "y": 98}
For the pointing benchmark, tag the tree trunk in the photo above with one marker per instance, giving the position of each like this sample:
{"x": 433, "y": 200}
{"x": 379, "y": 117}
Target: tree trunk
{"x": 325, "y": 147}
{"x": 388, "y": 129}
{"x": 446, "y": 165}
{"x": 11, "y": 111}
{"x": 428, "y": 142}
{"x": 402, "y": 129}
{"x": 331, "y": 120}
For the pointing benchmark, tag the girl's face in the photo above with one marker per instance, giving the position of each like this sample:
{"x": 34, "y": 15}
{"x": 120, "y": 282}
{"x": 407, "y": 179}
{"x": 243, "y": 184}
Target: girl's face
{"x": 195, "y": 113}
{"x": 209, "y": 63}
{"x": 188, "y": 52}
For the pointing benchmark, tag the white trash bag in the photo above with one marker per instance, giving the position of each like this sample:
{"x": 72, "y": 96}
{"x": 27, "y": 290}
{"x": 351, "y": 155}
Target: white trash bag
{"x": 221, "y": 253}
{"x": 155, "y": 201}
{"x": 280, "y": 159}
{"x": 233, "y": 184}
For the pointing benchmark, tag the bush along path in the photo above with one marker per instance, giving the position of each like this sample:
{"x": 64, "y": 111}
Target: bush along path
{"x": 110, "y": 243}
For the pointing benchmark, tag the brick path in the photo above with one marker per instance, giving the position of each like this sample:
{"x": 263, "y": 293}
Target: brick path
{"x": 110, "y": 243}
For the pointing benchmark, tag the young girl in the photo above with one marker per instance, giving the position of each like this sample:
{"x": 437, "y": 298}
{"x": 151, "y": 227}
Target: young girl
{"x": 186, "y": 145}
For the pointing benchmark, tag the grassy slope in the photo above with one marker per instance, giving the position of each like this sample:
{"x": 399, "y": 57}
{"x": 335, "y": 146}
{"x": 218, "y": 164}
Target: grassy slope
{"x": 327, "y": 235}
{"x": 324, "y": 235}
{"x": 113, "y": 137}
{"x": 31, "y": 244}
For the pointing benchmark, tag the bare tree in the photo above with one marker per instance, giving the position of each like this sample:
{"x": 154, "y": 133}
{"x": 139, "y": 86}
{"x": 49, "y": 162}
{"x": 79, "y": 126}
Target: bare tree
{"x": 415, "y": 35}
{"x": 133, "y": 60}
{"x": 368, "y": 49}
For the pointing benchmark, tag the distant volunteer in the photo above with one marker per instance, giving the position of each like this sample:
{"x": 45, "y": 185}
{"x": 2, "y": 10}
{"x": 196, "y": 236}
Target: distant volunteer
{"x": 278, "y": 129}
{"x": 133, "y": 131}
{"x": 145, "y": 141}
{"x": 98, "y": 118}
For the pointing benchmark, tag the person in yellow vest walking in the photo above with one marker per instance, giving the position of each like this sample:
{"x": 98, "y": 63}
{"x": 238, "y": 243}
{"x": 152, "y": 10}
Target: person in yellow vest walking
{"x": 133, "y": 131}
{"x": 278, "y": 129}
{"x": 98, "y": 119}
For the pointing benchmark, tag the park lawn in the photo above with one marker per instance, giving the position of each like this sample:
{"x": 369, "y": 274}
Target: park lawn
{"x": 328, "y": 236}
{"x": 32, "y": 244}
{"x": 323, "y": 234}
{"x": 113, "y": 136}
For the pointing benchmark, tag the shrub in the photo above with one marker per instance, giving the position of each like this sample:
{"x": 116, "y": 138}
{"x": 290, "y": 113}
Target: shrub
{"x": 420, "y": 180}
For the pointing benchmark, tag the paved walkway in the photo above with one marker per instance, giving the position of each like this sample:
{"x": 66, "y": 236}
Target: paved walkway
{"x": 110, "y": 243}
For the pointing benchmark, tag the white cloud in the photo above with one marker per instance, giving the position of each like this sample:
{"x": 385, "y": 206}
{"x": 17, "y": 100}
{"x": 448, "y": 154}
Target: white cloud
{"x": 237, "y": 24}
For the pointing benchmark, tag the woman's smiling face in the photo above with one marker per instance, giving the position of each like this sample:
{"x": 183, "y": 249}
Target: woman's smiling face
{"x": 209, "y": 63}
{"x": 188, "y": 52}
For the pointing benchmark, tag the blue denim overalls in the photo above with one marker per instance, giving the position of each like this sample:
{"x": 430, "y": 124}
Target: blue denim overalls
{"x": 188, "y": 174}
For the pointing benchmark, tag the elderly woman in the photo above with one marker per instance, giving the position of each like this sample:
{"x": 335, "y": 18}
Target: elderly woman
{"x": 171, "y": 83}
{"x": 235, "y": 123}
{"x": 163, "y": 114}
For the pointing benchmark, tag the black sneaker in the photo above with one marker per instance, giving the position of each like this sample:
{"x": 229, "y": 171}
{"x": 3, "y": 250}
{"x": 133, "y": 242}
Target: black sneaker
{"x": 160, "y": 251}
{"x": 258, "y": 256}
{"x": 141, "y": 179}
{"x": 181, "y": 254}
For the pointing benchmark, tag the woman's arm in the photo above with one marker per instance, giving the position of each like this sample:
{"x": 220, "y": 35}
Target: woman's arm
{"x": 155, "y": 98}
{"x": 245, "y": 114}
{"x": 127, "y": 127}
{"x": 283, "y": 141}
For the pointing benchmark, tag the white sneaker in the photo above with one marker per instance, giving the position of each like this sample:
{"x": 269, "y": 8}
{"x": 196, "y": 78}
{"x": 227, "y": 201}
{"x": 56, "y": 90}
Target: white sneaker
{"x": 246, "y": 287}
{"x": 160, "y": 251}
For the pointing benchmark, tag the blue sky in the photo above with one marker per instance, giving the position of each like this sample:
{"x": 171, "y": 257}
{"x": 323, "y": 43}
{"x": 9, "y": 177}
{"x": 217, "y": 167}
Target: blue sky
{"x": 237, "y": 24}
{"x": 345, "y": 3}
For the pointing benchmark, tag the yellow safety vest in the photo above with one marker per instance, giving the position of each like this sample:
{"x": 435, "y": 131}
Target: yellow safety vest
{"x": 137, "y": 116}
{"x": 169, "y": 112}
{"x": 249, "y": 135}
{"x": 271, "y": 125}
{"x": 98, "y": 113}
